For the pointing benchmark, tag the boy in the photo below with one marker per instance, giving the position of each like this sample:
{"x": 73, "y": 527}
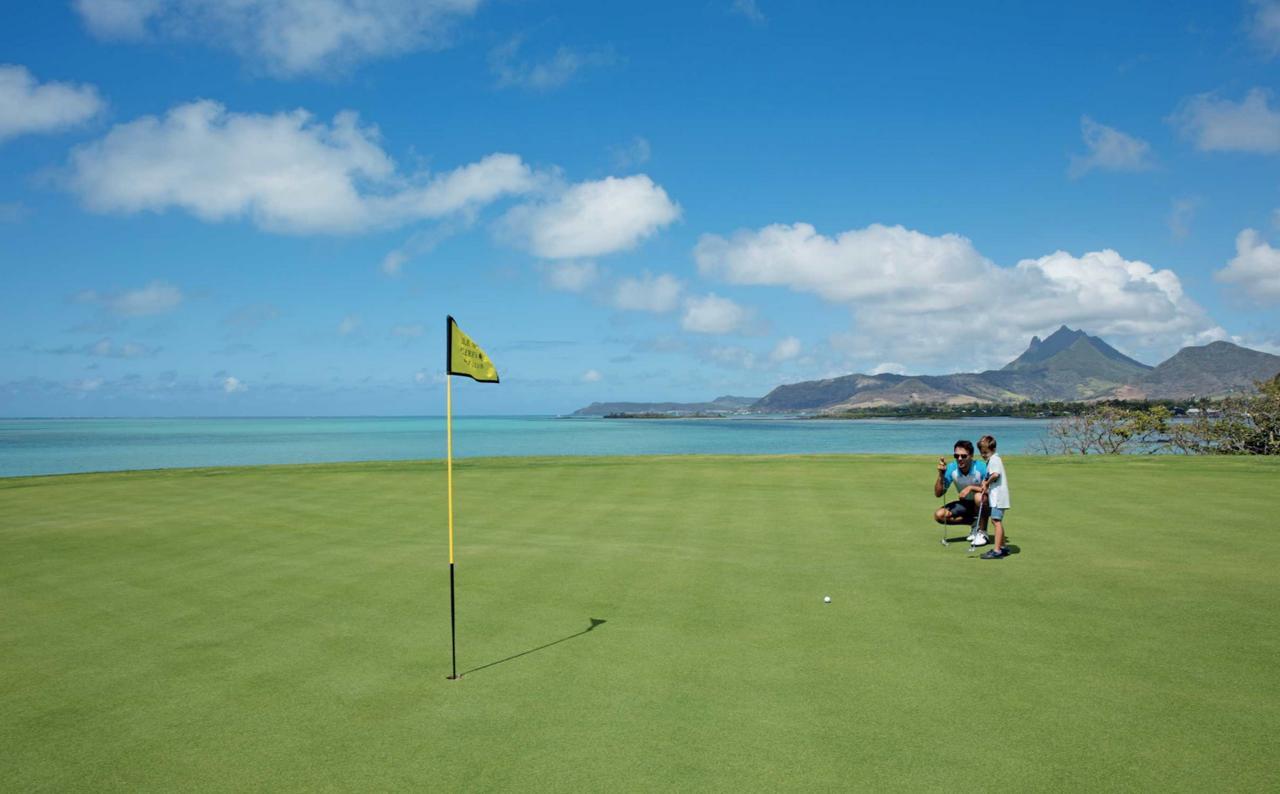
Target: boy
{"x": 995, "y": 489}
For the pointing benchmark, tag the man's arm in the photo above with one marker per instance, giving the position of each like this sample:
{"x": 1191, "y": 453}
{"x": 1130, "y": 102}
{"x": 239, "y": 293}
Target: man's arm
{"x": 940, "y": 484}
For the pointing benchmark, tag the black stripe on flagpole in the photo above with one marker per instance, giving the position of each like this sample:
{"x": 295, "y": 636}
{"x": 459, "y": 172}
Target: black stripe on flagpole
{"x": 453, "y": 631}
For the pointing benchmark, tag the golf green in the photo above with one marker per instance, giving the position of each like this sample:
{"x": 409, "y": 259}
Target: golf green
{"x": 640, "y": 624}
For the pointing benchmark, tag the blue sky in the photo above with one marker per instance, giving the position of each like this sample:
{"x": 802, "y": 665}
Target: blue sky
{"x": 268, "y": 207}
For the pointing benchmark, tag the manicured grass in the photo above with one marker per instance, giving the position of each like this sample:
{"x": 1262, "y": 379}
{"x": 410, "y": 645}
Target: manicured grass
{"x": 287, "y": 628}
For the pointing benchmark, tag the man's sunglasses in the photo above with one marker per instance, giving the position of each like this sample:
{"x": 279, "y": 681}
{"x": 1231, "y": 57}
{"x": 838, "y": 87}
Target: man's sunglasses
{"x": 961, "y": 457}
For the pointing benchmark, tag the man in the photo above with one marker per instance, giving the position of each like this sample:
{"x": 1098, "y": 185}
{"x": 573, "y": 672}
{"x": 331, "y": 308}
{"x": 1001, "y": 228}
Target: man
{"x": 967, "y": 475}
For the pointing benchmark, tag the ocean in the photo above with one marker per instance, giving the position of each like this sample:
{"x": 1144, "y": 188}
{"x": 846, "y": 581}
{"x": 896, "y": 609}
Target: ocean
{"x": 60, "y": 446}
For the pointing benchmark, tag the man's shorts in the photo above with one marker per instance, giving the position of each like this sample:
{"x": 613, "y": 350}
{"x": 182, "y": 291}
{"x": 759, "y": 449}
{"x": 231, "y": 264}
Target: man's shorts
{"x": 962, "y": 508}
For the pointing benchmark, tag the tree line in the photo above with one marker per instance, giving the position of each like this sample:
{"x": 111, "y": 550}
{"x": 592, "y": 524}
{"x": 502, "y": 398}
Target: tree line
{"x": 1237, "y": 425}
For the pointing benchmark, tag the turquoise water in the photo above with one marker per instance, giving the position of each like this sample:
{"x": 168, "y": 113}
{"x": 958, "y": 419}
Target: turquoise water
{"x": 56, "y": 446}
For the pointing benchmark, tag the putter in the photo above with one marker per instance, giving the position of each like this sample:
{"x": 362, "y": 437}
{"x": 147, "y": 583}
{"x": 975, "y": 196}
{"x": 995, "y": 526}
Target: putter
{"x": 977, "y": 522}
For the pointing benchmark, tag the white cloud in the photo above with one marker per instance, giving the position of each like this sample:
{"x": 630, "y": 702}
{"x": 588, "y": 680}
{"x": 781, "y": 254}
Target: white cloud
{"x": 1215, "y": 124}
{"x": 633, "y": 154}
{"x": 105, "y": 348}
{"x": 888, "y": 367}
{"x": 1255, "y": 270}
{"x": 1181, "y": 215}
{"x": 158, "y": 297}
{"x": 909, "y": 292}
{"x": 286, "y": 172}
{"x": 731, "y": 357}
{"x": 592, "y": 218}
{"x": 284, "y": 37}
{"x": 658, "y": 294}
{"x": 1109, "y": 150}
{"x": 407, "y": 331}
{"x": 349, "y": 324}
{"x": 13, "y": 212}
{"x": 713, "y": 314}
{"x": 393, "y": 262}
{"x": 785, "y": 350}
{"x": 233, "y": 385}
{"x": 571, "y": 276}
{"x": 29, "y": 107}
{"x": 591, "y": 376}
{"x": 426, "y": 377}
{"x": 545, "y": 75}
{"x": 425, "y": 241}
{"x": 749, "y": 9}
{"x": 1265, "y": 26}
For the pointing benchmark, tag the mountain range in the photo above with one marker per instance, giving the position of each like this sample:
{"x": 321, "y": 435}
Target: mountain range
{"x": 1068, "y": 366}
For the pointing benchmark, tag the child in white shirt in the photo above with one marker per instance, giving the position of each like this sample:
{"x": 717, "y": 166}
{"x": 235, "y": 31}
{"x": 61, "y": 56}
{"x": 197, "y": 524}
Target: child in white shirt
{"x": 996, "y": 491}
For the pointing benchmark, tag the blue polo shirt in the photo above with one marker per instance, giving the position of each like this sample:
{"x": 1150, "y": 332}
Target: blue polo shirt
{"x": 977, "y": 473}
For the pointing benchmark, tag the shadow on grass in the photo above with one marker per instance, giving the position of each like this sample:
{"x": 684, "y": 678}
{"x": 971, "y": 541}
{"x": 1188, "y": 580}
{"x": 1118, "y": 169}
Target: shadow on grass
{"x": 594, "y": 622}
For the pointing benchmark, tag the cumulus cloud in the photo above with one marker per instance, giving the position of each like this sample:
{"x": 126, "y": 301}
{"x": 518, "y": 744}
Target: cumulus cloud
{"x": 233, "y": 385}
{"x": 591, "y": 376}
{"x": 1109, "y": 150}
{"x": 27, "y": 106}
{"x": 251, "y": 317}
{"x": 286, "y": 172}
{"x": 785, "y": 350}
{"x": 730, "y": 356}
{"x": 633, "y": 154}
{"x": 571, "y": 276}
{"x": 284, "y": 37}
{"x": 103, "y": 348}
{"x": 1255, "y": 270}
{"x": 1180, "y": 216}
{"x": 888, "y": 367}
{"x": 591, "y": 218}
{"x": 1215, "y": 124}
{"x": 510, "y": 70}
{"x": 1264, "y": 26}
{"x": 658, "y": 294}
{"x": 712, "y": 314}
{"x": 749, "y": 9}
{"x": 13, "y": 212}
{"x": 910, "y": 291}
{"x": 158, "y": 297}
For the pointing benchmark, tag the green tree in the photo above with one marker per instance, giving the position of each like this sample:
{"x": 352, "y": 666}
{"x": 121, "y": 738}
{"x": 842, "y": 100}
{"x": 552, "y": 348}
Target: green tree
{"x": 1245, "y": 425}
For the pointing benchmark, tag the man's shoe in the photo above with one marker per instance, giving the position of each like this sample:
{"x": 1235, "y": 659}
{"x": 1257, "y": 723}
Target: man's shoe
{"x": 996, "y": 554}
{"x": 979, "y": 539}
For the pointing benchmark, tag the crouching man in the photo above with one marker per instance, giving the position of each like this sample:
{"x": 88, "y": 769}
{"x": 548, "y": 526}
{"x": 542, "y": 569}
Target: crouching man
{"x": 967, "y": 475}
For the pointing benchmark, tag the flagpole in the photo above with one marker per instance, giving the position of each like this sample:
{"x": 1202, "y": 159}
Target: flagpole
{"x": 448, "y": 423}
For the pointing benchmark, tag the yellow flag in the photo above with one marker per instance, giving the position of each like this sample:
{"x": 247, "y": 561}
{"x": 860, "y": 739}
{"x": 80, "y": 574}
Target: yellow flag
{"x": 465, "y": 357}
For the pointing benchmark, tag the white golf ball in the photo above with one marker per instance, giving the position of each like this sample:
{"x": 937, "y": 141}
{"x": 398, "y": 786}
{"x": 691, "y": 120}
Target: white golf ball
{"x": 826, "y": 599}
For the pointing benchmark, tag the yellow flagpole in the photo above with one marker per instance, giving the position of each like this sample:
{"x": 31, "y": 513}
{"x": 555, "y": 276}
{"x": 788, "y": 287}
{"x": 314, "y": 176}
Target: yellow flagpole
{"x": 448, "y": 424}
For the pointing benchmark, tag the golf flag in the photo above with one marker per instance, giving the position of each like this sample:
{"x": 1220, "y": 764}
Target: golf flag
{"x": 462, "y": 357}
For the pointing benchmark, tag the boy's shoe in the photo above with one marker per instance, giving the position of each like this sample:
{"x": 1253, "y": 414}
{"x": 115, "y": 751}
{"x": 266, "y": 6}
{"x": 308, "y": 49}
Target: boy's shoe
{"x": 971, "y": 536}
{"x": 996, "y": 554}
{"x": 978, "y": 539}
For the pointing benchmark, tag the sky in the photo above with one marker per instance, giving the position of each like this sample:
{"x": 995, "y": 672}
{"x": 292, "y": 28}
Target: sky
{"x": 269, "y": 207}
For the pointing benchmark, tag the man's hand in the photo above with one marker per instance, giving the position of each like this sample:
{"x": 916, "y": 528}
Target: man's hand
{"x": 942, "y": 465}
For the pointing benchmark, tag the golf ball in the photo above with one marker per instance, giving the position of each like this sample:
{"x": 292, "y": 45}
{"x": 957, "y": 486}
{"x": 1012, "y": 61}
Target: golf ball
{"x": 826, "y": 599}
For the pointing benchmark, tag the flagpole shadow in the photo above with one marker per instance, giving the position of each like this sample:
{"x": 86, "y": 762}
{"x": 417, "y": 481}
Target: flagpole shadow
{"x": 594, "y": 622}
